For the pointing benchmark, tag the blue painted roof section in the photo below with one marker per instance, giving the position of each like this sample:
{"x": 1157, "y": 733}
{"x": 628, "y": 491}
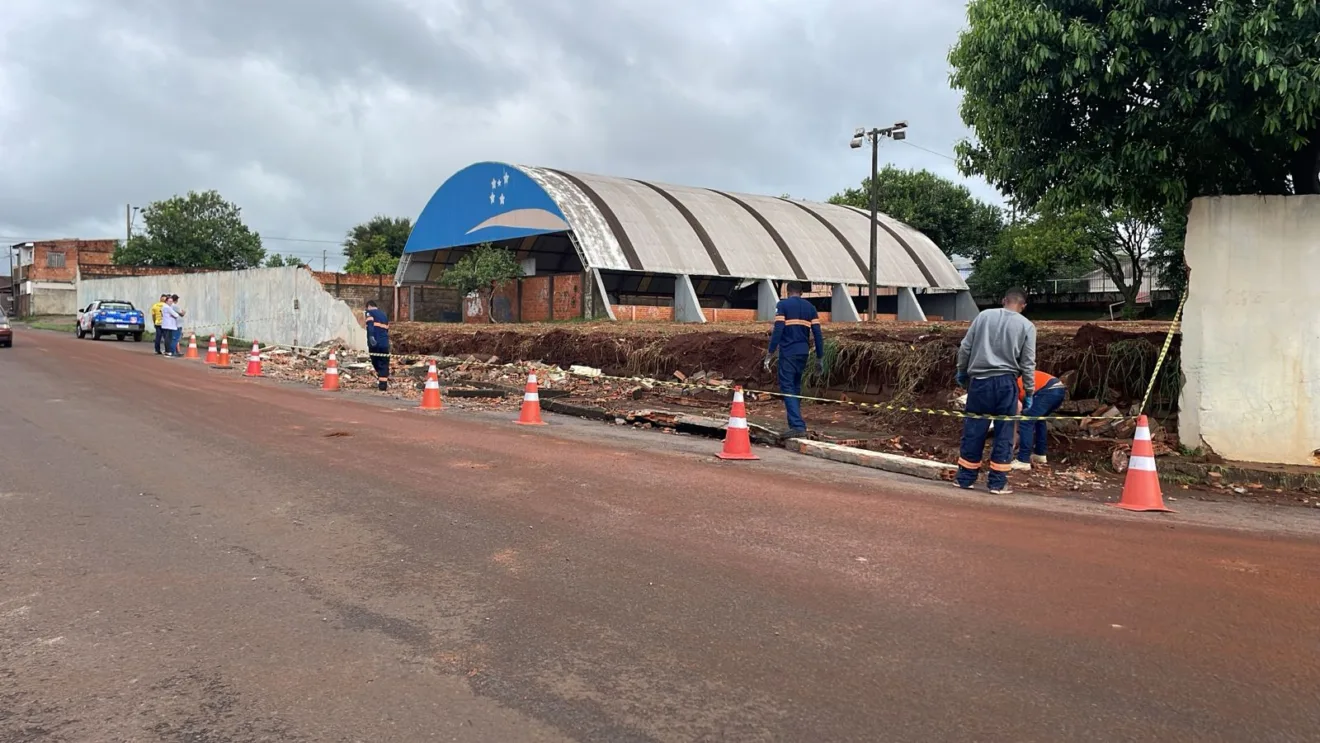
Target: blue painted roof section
{"x": 485, "y": 202}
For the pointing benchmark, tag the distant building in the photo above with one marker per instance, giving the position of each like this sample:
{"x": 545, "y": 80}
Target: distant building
{"x": 964, "y": 266}
{"x": 7, "y": 294}
{"x": 46, "y": 273}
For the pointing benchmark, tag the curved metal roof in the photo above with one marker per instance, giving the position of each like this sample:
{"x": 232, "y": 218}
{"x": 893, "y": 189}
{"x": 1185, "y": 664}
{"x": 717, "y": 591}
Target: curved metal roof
{"x": 624, "y": 224}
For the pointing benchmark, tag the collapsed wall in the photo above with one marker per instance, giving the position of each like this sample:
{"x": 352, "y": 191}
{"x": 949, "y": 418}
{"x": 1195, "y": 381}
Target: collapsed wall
{"x": 885, "y": 362}
{"x": 287, "y": 306}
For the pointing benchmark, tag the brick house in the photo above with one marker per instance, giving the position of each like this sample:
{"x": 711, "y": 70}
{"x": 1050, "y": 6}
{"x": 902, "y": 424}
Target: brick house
{"x": 47, "y": 271}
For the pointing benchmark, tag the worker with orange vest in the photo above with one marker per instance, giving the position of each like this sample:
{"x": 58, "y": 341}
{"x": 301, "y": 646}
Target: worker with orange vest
{"x": 1032, "y": 435}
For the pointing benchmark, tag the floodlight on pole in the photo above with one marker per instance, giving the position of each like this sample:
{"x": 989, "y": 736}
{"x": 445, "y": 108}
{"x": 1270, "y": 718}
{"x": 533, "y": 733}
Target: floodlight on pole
{"x": 860, "y": 135}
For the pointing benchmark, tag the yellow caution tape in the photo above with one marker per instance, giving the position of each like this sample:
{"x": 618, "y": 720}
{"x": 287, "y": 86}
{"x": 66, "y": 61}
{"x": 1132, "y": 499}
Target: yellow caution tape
{"x": 1164, "y": 351}
{"x": 651, "y": 382}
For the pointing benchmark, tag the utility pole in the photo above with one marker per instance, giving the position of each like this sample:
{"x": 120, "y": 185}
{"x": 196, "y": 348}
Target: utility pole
{"x": 128, "y": 224}
{"x": 13, "y": 287}
{"x": 323, "y": 254}
{"x": 896, "y": 132}
{"x": 875, "y": 227}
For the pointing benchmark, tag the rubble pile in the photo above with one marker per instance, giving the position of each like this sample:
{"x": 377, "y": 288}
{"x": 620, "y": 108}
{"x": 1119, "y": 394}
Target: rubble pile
{"x": 1088, "y": 453}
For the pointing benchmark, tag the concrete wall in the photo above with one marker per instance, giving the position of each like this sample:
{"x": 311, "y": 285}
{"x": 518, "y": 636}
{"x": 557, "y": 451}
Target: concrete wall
{"x": 48, "y": 298}
{"x": 257, "y": 303}
{"x": 1251, "y": 332}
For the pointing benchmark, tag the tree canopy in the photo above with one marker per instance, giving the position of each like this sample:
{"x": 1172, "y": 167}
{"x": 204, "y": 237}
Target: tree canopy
{"x": 199, "y": 230}
{"x": 944, "y": 211}
{"x": 374, "y": 247}
{"x": 1140, "y": 103}
{"x": 484, "y": 269}
{"x": 275, "y": 260}
{"x": 1031, "y": 252}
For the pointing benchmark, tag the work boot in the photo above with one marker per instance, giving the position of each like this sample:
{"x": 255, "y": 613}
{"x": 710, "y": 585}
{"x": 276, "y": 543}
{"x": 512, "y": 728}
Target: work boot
{"x": 1039, "y": 459}
{"x": 1006, "y": 490}
{"x": 383, "y": 386}
{"x": 795, "y": 433}
{"x": 1020, "y": 466}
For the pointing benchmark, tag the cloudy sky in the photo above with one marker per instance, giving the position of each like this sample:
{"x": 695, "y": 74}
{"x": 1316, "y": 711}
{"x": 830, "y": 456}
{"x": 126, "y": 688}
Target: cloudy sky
{"x": 314, "y": 115}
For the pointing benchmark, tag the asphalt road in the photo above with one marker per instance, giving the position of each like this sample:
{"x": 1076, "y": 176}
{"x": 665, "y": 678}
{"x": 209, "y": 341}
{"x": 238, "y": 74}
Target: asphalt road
{"x": 186, "y": 555}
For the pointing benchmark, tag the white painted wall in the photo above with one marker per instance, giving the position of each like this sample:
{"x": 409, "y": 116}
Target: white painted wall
{"x": 257, "y": 303}
{"x": 1251, "y": 334}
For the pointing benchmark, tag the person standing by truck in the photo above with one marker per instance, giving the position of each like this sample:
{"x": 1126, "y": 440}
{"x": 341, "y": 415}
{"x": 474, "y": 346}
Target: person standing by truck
{"x": 171, "y": 323}
{"x": 378, "y": 344}
{"x": 155, "y": 321}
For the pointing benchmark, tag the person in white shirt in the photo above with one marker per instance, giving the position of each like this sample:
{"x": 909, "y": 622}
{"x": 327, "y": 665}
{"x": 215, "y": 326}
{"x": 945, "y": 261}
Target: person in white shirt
{"x": 171, "y": 321}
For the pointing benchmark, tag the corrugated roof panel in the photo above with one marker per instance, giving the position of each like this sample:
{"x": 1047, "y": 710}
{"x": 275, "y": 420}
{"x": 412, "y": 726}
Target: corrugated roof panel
{"x": 628, "y": 225}
{"x": 660, "y": 234}
{"x": 820, "y": 254}
{"x": 594, "y": 237}
{"x": 937, "y": 263}
{"x": 746, "y": 248}
{"x": 894, "y": 267}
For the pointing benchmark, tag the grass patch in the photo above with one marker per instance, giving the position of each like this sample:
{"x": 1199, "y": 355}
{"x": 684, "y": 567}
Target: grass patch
{"x": 57, "y": 323}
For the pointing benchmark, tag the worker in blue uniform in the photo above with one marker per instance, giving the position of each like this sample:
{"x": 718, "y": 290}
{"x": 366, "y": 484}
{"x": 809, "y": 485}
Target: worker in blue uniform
{"x": 796, "y": 322}
{"x": 378, "y": 344}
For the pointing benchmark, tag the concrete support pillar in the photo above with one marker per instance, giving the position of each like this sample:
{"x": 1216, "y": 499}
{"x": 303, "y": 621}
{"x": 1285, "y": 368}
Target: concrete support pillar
{"x": 909, "y": 309}
{"x": 766, "y": 299}
{"x": 400, "y": 273}
{"x": 686, "y": 306}
{"x": 965, "y": 307}
{"x": 598, "y": 300}
{"x": 842, "y": 308}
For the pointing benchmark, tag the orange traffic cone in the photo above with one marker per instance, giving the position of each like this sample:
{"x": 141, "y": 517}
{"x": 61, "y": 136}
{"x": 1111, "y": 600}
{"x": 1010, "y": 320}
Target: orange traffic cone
{"x": 254, "y": 361}
{"x": 192, "y": 347}
{"x": 531, "y": 407}
{"x": 737, "y": 439}
{"x": 1141, "y": 490}
{"x": 431, "y": 391}
{"x": 222, "y": 360}
{"x": 212, "y": 353}
{"x": 331, "y": 381}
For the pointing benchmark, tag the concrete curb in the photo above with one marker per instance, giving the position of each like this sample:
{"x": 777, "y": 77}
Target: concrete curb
{"x": 922, "y": 468}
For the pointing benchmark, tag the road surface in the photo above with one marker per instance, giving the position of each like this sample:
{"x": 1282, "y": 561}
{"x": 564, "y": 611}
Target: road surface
{"x": 186, "y": 555}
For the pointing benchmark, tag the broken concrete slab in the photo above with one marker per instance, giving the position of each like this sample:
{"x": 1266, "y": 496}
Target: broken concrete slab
{"x": 469, "y": 392}
{"x": 922, "y": 468}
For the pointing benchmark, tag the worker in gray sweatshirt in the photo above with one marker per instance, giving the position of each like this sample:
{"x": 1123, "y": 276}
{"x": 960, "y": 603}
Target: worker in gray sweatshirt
{"x": 998, "y": 350}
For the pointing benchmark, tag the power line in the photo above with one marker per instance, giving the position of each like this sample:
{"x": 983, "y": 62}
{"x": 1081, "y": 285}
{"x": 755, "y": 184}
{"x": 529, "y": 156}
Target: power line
{"x": 933, "y": 152}
{"x": 302, "y": 240}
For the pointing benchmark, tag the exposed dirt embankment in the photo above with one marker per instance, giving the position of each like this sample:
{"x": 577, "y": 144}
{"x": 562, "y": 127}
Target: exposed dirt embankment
{"x": 890, "y": 361}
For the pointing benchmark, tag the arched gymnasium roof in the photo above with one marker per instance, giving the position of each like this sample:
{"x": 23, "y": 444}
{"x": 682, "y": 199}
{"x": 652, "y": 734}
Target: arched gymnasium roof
{"x": 623, "y": 224}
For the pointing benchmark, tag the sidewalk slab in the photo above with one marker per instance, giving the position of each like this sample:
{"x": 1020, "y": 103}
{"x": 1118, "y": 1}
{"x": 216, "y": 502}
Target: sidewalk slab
{"x": 922, "y": 468}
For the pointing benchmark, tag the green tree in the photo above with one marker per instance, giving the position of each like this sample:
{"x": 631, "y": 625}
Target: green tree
{"x": 1121, "y": 247}
{"x": 275, "y": 260}
{"x": 199, "y": 230}
{"x": 1166, "y": 251}
{"x": 944, "y": 211}
{"x": 1035, "y": 250}
{"x": 485, "y": 268}
{"x": 1140, "y": 104}
{"x": 374, "y": 247}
